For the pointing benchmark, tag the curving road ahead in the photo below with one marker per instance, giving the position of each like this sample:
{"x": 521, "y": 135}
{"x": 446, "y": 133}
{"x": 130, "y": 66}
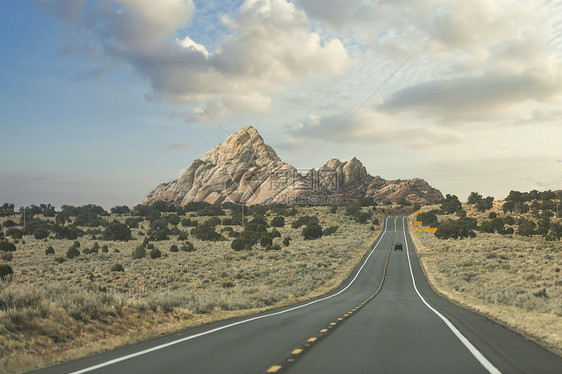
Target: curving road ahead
{"x": 366, "y": 325}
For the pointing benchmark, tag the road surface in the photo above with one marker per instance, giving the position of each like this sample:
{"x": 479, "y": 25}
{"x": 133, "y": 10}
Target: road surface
{"x": 399, "y": 326}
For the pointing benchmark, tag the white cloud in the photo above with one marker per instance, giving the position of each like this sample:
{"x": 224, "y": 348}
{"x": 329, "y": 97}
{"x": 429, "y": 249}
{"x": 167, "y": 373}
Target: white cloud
{"x": 269, "y": 46}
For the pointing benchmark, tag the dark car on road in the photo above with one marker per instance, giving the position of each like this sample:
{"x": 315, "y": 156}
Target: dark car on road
{"x": 398, "y": 247}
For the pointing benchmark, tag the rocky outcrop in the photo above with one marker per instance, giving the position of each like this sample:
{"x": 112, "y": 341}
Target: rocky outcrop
{"x": 244, "y": 169}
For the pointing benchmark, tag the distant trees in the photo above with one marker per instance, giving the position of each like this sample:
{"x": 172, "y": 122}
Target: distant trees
{"x": 117, "y": 231}
{"x": 450, "y": 204}
{"x": 457, "y": 229}
{"x": 427, "y": 218}
{"x": 312, "y": 231}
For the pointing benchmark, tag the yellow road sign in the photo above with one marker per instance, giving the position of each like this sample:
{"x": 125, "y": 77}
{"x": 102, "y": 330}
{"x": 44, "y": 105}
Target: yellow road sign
{"x": 420, "y": 229}
{"x": 431, "y": 229}
{"x": 419, "y": 212}
{"x": 417, "y": 223}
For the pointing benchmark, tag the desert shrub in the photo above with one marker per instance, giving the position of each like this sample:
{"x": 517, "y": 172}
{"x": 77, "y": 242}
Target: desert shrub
{"x": 427, "y": 218}
{"x": 206, "y": 232}
{"x": 159, "y": 229}
{"x": 330, "y": 230}
{"x": 133, "y": 222}
{"x": 120, "y": 210}
{"x": 104, "y": 249}
{"x": 270, "y": 247}
{"x": 275, "y": 233}
{"x": 60, "y": 260}
{"x": 174, "y": 248}
{"x": 117, "y": 267}
{"x": 237, "y": 244}
{"x": 172, "y": 219}
{"x": 458, "y": 229}
{"x": 7, "y": 256}
{"x": 155, "y": 253}
{"x": 139, "y": 252}
{"x": 474, "y": 198}
{"x": 183, "y": 235}
{"x": 450, "y": 204}
{"x": 50, "y": 250}
{"x": 266, "y": 240}
{"x": 304, "y": 220}
{"x": 188, "y": 222}
{"x": 6, "y": 246}
{"x": 117, "y": 231}
{"x": 287, "y": 241}
{"x": 212, "y": 222}
{"x": 187, "y": 246}
{"x": 333, "y": 209}
{"x": 526, "y": 228}
{"x": 14, "y": 233}
{"x": 485, "y": 204}
{"x": 41, "y": 233}
{"x": 311, "y": 232}
{"x": 67, "y": 232}
{"x": 9, "y": 223}
{"x": 6, "y": 272}
{"x": 72, "y": 252}
{"x": 278, "y": 222}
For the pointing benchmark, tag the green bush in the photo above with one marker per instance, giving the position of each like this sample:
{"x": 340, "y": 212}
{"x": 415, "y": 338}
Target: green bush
{"x": 117, "y": 267}
{"x": 237, "y": 244}
{"x": 304, "y": 220}
{"x": 311, "y": 232}
{"x": 6, "y": 246}
{"x": 266, "y": 240}
{"x": 104, "y": 249}
{"x": 287, "y": 241}
{"x": 330, "y": 230}
{"x": 187, "y": 246}
{"x": 427, "y": 218}
{"x": 275, "y": 233}
{"x": 139, "y": 252}
{"x": 14, "y": 233}
{"x": 206, "y": 232}
{"x": 174, "y": 248}
{"x": 459, "y": 229}
{"x": 450, "y": 204}
{"x": 7, "y": 256}
{"x": 278, "y": 222}
{"x": 155, "y": 253}
{"x": 60, "y": 260}
{"x": 50, "y": 250}
{"x": 6, "y": 272}
{"x": 526, "y": 228}
{"x": 117, "y": 231}
{"x": 72, "y": 252}
{"x": 9, "y": 223}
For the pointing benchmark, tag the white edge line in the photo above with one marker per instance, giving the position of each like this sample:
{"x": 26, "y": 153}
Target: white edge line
{"x": 145, "y": 351}
{"x": 475, "y": 352}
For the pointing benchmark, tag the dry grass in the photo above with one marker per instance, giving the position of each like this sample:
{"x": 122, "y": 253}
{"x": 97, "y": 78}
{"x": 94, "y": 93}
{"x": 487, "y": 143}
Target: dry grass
{"x": 53, "y": 312}
{"x": 512, "y": 279}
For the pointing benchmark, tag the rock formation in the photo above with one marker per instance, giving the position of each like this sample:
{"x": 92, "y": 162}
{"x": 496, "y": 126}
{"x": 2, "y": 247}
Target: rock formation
{"x": 244, "y": 169}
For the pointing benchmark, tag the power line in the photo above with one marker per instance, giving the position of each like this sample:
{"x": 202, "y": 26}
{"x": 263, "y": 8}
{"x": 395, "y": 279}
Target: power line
{"x": 172, "y": 77}
{"x": 380, "y": 87}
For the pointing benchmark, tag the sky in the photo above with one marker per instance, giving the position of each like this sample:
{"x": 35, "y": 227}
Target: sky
{"x": 102, "y": 100}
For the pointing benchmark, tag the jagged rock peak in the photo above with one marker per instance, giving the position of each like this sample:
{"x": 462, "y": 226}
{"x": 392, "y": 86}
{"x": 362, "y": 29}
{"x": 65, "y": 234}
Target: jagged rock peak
{"x": 246, "y": 145}
{"x": 331, "y": 164}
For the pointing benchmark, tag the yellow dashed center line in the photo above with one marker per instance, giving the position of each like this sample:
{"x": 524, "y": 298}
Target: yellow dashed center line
{"x": 276, "y": 368}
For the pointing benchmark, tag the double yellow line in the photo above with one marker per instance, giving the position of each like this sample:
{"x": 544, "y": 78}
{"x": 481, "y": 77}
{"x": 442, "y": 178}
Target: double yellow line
{"x": 299, "y": 352}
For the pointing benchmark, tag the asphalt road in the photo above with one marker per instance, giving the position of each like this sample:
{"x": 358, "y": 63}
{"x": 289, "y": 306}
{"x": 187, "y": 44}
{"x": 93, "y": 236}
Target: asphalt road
{"x": 361, "y": 327}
